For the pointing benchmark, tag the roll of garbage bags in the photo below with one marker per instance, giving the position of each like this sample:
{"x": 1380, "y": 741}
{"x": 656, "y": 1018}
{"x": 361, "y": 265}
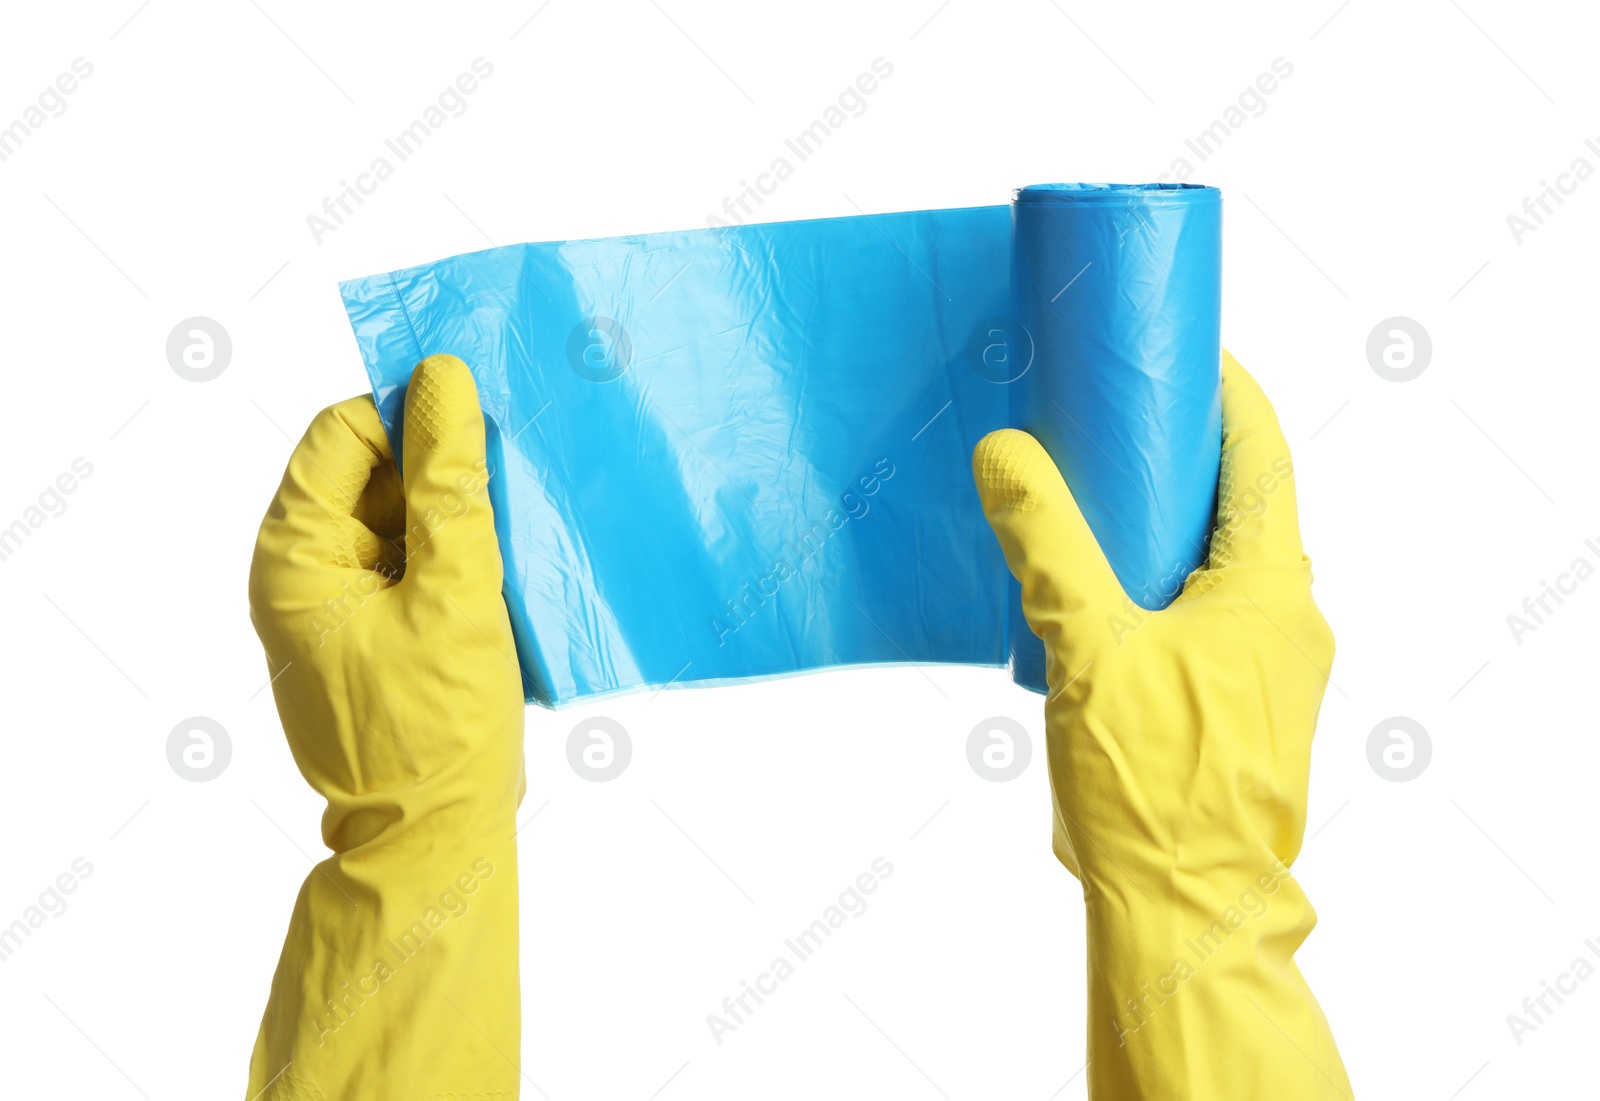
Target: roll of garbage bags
{"x": 743, "y": 452}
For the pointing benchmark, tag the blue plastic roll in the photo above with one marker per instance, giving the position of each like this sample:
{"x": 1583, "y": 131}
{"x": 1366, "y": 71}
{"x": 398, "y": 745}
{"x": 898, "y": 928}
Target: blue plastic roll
{"x": 744, "y": 452}
{"x": 1119, "y": 288}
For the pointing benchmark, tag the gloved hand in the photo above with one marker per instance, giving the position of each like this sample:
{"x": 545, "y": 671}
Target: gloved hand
{"x": 1179, "y": 754}
{"x": 396, "y": 680}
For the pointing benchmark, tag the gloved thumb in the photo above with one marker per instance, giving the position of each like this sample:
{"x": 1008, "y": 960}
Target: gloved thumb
{"x": 1069, "y": 592}
{"x": 450, "y": 540}
{"x": 1258, "y": 520}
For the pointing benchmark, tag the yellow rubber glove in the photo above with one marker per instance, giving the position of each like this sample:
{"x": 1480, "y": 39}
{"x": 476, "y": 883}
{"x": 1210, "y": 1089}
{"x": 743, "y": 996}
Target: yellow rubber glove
{"x": 1179, "y": 754}
{"x": 396, "y": 680}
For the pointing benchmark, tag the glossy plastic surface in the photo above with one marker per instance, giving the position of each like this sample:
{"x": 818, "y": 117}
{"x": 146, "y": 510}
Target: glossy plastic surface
{"x": 744, "y": 452}
{"x": 1120, "y": 290}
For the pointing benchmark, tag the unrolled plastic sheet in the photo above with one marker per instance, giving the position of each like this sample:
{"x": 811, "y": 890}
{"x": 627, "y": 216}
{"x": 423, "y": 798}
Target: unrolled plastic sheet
{"x": 744, "y": 452}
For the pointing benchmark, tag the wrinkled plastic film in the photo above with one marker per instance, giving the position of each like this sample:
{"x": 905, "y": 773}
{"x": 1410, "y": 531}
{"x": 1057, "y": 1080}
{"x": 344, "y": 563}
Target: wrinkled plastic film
{"x": 744, "y": 452}
{"x": 1118, "y": 295}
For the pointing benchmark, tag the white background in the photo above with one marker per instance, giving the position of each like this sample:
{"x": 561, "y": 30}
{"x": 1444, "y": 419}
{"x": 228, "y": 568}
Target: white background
{"x": 1376, "y": 183}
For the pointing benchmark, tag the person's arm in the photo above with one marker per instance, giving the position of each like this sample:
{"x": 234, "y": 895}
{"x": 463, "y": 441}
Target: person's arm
{"x": 1179, "y": 756}
{"x": 378, "y": 602}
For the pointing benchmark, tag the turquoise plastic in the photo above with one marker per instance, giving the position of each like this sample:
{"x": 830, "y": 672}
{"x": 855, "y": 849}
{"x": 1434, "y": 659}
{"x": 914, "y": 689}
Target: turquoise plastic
{"x": 744, "y": 452}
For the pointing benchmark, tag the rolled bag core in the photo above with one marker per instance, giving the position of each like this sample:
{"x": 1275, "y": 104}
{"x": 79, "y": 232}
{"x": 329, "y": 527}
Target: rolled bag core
{"x": 743, "y": 452}
{"x": 1119, "y": 289}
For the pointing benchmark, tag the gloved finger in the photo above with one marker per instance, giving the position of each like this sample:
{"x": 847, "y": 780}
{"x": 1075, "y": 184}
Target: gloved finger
{"x": 382, "y": 505}
{"x": 450, "y": 539}
{"x": 1258, "y": 521}
{"x": 1069, "y": 591}
{"x": 333, "y": 481}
